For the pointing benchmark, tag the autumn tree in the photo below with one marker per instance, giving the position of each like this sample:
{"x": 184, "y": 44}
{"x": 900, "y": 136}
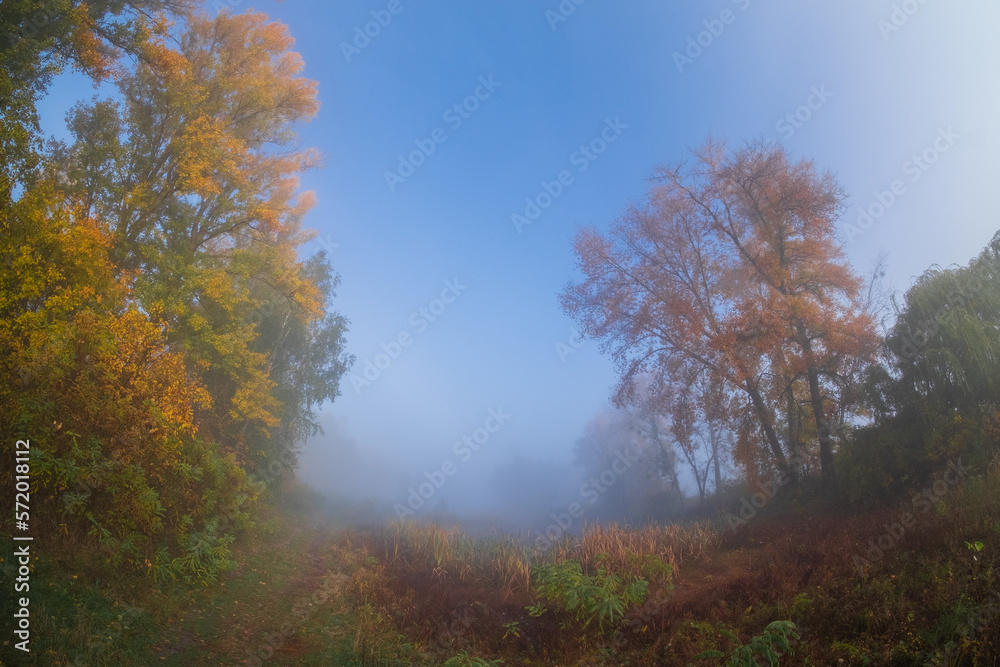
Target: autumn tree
{"x": 108, "y": 404}
{"x": 661, "y": 425}
{"x": 730, "y": 266}
{"x": 169, "y": 344}
{"x": 195, "y": 172}
{"x": 655, "y": 443}
{"x": 40, "y": 38}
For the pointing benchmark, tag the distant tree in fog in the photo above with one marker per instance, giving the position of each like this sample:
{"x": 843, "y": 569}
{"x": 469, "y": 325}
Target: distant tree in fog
{"x": 648, "y": 484}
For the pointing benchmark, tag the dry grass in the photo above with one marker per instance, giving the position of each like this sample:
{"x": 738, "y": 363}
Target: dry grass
{"x": 673, "y": 543}
{"x": 451, "y": 554}
{"x": 432, "y": 591}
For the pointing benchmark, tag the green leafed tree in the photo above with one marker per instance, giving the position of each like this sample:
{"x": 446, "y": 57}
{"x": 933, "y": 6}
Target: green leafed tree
{"x": 946, "y": 340}
{"x": 935, "y": 395}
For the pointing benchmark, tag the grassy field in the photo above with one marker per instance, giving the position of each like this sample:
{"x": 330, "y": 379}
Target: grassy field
{"x": 277, "y": 603}
{"x": 800, "y": 583}
{"x": 930, "y": 600}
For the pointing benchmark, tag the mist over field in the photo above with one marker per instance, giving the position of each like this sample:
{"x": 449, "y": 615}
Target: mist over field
{"x": 520, "y": 333}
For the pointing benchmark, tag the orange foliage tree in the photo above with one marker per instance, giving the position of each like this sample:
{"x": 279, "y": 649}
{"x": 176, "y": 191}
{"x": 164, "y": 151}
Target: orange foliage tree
{"x": 731, "y": 267}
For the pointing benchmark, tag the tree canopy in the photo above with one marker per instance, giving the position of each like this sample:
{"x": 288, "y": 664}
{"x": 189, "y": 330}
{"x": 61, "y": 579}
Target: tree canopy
{"x": 731, "y": 268}
{"x": 152, "y": 295}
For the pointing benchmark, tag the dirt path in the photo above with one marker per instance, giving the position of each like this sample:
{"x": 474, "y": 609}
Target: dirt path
{"x": 260, "y": 609}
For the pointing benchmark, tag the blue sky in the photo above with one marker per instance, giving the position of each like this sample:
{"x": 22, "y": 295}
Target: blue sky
{"x": 889, "y": 90}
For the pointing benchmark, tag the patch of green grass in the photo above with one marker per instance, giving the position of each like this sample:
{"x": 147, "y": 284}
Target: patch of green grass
{"x": 73, "y": 621}
{"x": 463, "y": 659}
{"x": 78, "y": 613}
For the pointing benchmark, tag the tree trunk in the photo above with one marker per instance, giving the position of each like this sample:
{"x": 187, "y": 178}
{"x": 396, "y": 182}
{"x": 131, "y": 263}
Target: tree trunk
{"x": 819, "y": 414}
{"x": 825, "y": 446}
{"x": 715, "y": 459}
{"x": 655, "y": 431}
{"x": 770, "y": 433}
{"x": 794, "y": 429}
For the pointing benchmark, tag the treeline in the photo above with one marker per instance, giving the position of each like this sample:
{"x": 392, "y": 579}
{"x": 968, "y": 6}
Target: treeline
{"x": 163, "y": 344}
{"x": 741, "y": 333}
{"x": 934, "y": 394}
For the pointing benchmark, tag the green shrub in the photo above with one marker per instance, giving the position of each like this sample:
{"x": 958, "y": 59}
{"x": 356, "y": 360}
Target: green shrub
{"x": 605, "y": 596}
{"x": 652, "y": 567}
{"x": 769, "y": 646}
